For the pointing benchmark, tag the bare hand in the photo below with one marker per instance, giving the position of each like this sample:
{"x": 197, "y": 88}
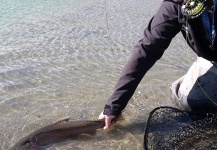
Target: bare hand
{"x": 108, "y": 120}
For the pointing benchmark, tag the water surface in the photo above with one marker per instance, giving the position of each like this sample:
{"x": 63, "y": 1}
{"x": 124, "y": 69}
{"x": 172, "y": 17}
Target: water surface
{"x": 63, "y": 58}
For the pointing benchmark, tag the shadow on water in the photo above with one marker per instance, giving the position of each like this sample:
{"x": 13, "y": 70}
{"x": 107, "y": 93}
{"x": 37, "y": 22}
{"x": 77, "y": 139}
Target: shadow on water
{"x": 52, "y": 143}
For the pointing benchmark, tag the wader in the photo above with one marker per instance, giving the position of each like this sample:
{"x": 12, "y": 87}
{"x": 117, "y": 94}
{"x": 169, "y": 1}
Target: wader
{"x": 198, "y": 88}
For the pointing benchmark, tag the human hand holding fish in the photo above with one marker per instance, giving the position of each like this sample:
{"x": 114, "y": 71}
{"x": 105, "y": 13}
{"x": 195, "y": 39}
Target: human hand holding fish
{"x": 109, "y": 120}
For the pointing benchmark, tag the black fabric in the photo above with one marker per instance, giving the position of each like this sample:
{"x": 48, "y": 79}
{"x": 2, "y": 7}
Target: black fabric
{"x": 175, "y": 1}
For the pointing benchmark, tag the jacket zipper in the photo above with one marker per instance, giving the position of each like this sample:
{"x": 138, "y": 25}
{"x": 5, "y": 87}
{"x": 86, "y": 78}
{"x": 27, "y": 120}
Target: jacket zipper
{"x": 211, "y": 40}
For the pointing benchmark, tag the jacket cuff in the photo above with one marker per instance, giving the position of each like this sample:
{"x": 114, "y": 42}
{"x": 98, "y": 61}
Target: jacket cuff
{"x": 109, "y": 111}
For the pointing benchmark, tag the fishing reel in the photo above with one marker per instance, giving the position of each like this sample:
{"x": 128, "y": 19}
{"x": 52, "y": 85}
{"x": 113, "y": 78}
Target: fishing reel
{"x": 193, "y": 8}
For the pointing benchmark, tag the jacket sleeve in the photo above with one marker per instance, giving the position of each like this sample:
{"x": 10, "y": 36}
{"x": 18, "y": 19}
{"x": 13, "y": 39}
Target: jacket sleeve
{"x": 157, "y": 37}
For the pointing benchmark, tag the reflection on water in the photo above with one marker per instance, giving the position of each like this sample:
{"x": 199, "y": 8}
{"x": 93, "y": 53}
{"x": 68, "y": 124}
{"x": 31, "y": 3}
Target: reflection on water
{"x": 62, "y": 58}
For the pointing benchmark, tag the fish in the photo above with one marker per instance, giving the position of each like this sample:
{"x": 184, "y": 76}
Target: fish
{"x": 61, "y": 129}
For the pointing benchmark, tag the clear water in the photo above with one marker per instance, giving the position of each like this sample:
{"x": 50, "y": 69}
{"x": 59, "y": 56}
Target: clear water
{"x": 62, "y": 59}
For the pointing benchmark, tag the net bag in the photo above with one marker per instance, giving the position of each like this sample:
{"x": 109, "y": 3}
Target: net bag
{"x": 169, "y": 128}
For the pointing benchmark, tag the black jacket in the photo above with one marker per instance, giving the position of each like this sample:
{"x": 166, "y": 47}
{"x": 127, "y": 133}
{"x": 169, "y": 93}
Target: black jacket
{"x": 163, "y": 27}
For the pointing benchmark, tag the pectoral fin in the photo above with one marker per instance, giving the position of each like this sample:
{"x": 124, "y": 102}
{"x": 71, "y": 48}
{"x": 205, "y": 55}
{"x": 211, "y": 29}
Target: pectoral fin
{"x": 93, "y": 132}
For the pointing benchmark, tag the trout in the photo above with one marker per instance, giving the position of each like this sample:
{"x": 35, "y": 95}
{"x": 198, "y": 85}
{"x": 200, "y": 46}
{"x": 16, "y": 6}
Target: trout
{"x": 58, "y": 130}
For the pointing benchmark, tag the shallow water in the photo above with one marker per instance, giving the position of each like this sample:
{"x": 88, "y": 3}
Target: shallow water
{"x": 63, "y": 58}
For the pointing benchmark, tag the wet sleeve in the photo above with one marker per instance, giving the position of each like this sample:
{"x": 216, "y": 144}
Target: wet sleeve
{"x": 157, "y": 37}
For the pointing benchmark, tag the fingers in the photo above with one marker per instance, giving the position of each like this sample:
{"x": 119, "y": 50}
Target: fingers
{"x": 108, "y": 120}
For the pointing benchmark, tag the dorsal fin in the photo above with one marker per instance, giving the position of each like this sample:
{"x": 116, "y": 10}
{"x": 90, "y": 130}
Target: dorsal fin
{"x": 62, "y": 120}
